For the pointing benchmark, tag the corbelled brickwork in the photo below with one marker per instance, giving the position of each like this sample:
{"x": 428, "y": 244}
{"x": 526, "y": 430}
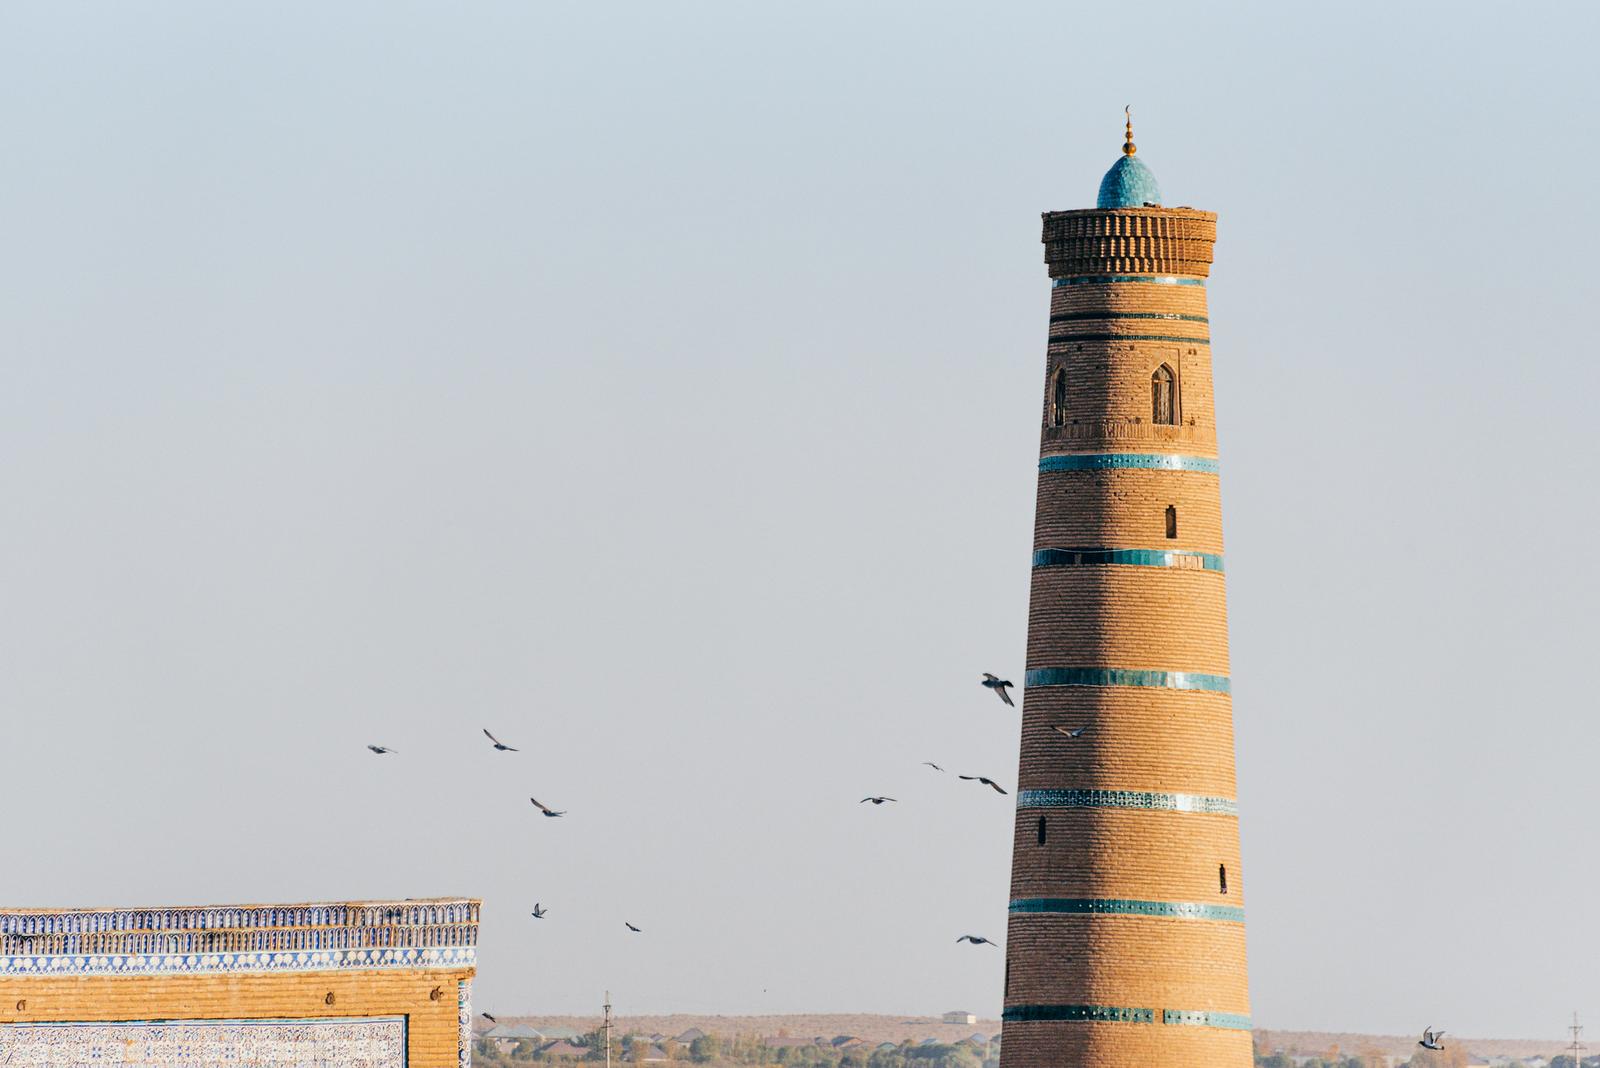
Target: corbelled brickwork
{"x": 1126, "y": 939}
{"x": 364, "y": 962}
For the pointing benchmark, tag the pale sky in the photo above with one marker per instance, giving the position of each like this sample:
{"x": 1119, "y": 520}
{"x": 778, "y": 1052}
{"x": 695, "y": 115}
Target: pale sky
{"x": 657, "y": 385}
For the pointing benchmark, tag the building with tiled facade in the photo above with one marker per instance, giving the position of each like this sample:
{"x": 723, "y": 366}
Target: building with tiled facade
{"x": 371, "y": 984}
{"x": 1126, "y": 935}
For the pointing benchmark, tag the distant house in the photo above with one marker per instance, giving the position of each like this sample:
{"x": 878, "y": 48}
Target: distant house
{"x": 847, "y": 1042}
{"x": 562, "y": 1048}
{"x": 503, "y": 1035}
{"x": 689, "y": 1036}
{"x": 978, "y": 1038}
{"x": 930, "y": 1042}
{"x": 885, "y": 1047}
{"x": 959, "y": 1017}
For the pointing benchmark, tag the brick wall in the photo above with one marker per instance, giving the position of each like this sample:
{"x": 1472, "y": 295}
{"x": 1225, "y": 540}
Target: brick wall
{"x": 1123, "y": 948}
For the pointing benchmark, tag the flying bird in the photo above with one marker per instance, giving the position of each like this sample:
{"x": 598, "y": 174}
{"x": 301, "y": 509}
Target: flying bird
{"x": 874, "y": 800}
{"x": 1071, "y": 733}
{"x": 486, "y": 1016}
{"x": 977, "y": 940}
{"x": 498, "y": 744}
{"x": 1430, "y": 1039}
{"x": 987, "y": 782}
{"x": 380, "y": 749}
{"x": 546, "y": 809}
{"x": 932, "y": 765}
{"x": 539, "y": 911}
{"x": 630, "y": 927}
{"x": 998, "y": 685}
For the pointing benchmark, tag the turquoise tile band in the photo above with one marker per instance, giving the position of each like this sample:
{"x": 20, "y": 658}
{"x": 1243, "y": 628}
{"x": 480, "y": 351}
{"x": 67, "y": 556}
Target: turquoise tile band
{"x": 1111, "y": 906}
{"x": 1108, "y": 279}
{"x": 1135, "y": 799}
{"x": 1062, "y": 339}
{"x": 1153, "y": 461}
{"x": 1161, "y": 680}
{"x": 1075, "y": 317}
{"x": 1229, "y": 1021}
{"x": 1127, "y": 558}
{"x": 1097, "y": 1013}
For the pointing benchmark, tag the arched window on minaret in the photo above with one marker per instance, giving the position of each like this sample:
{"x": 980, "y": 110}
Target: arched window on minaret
{"x": 1058, "y": 398}
{"x": 1172, "y": 521}
{"x": 1222, "y": 877}
{"x": 1044, "y": 831}
{"x": 1163, "y": 397}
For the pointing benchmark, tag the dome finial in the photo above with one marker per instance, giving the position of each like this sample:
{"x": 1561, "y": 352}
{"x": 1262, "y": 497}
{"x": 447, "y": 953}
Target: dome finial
{"x": 1128, "y": 147}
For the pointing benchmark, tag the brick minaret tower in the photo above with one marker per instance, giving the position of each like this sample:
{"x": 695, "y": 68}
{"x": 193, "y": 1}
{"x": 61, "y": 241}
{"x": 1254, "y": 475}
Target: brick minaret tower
{"x": 1126, "y": 935}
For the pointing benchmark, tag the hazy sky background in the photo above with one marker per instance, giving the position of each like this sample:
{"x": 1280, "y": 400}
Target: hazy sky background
{"x": 658, "y": 386}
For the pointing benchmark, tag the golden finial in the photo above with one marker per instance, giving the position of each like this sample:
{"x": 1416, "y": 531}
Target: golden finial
{"x": 1128, "y": 147}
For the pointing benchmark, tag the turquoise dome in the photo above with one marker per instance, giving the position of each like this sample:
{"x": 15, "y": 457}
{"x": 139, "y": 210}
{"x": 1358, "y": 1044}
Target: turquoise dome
{"x": 1128, "y": 184}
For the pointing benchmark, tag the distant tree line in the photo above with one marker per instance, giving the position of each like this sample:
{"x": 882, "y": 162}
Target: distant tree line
{"x": 717, "y": 1050}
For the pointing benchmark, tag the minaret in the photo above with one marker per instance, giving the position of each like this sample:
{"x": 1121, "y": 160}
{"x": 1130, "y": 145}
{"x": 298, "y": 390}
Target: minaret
{"x": 1126, "y": 936}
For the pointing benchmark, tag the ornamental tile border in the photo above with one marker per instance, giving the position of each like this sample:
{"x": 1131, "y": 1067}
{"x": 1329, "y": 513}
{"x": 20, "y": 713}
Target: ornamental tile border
{"x": 1153, "y": 461}
{"x": 1229, "y": 1021}
{"x": 1062, "y": 339}
{"x": 1107, "y": 279}
{"x": 1137, "y": 677}
{"x": 1182, "y": 560}
{"x": 1110, "y": 906}
{"x": 464, "y": 1023}
{"x": 223, "y": 963}
{"x": 1129, "y": 799}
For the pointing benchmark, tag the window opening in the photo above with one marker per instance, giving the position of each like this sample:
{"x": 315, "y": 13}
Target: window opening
{"x": 1222, "y": 877}
{"x": 1042, "y": 830}
{"x": 1058, "y": 398}
{"x": 1163, "y": 399}
{"x": 1172, "y": 521}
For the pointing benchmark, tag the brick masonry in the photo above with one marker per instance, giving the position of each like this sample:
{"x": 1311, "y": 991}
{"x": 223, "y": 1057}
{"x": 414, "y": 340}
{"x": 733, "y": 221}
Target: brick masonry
{"x": 1124, "y": 948}
{"x": 361, "y": 961}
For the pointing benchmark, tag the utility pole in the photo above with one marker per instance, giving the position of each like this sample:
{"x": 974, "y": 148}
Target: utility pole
{"x": 607, "y": 1028}
{"x": 1576, "y": 1047}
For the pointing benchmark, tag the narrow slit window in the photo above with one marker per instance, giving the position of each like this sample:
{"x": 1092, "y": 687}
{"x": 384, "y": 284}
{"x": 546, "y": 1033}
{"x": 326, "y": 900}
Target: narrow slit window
{"x": 1008, "y": 979}
{"x": 1172, "y": 521}
{"x": 1222, "y": 877}
{"x": 1043, "y": 830}
{"x": 1058, "y": 398}
{"x": 1163, "y": 397}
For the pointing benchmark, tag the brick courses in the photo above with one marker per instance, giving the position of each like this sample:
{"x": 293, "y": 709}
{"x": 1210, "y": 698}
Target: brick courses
{"x": 1123, "y": 949}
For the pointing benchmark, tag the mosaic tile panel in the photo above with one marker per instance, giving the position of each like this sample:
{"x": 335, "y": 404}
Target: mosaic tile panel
{"x": 378, "y": 1042}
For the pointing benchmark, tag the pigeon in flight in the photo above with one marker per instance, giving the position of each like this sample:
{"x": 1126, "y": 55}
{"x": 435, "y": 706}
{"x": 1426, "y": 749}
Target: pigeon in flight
{"x": 539, "y": 911}
{"x": 380, "y": 749}
{"x": 977, "y": 940}
{"x": 987, "y": 782}
{"x": 1071, "y": 733}
{"x": 932, "y": 765}
{"x": 498, "y": 744}
{"x": 998, "y": 685}
{"x": 630, "y": 927}
{"x": 874, "y": 800}
{"x": 1430, "y": 1039}
{"x": 486, "y": 1016}
{"x": 545, "y": 809}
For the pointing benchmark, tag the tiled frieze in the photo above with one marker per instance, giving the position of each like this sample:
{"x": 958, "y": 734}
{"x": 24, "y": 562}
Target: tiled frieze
{"x": 366, "y": 1043}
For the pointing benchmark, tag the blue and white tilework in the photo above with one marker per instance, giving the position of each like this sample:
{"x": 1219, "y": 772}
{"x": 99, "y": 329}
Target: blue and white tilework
{"x": 376, "y": 1042}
